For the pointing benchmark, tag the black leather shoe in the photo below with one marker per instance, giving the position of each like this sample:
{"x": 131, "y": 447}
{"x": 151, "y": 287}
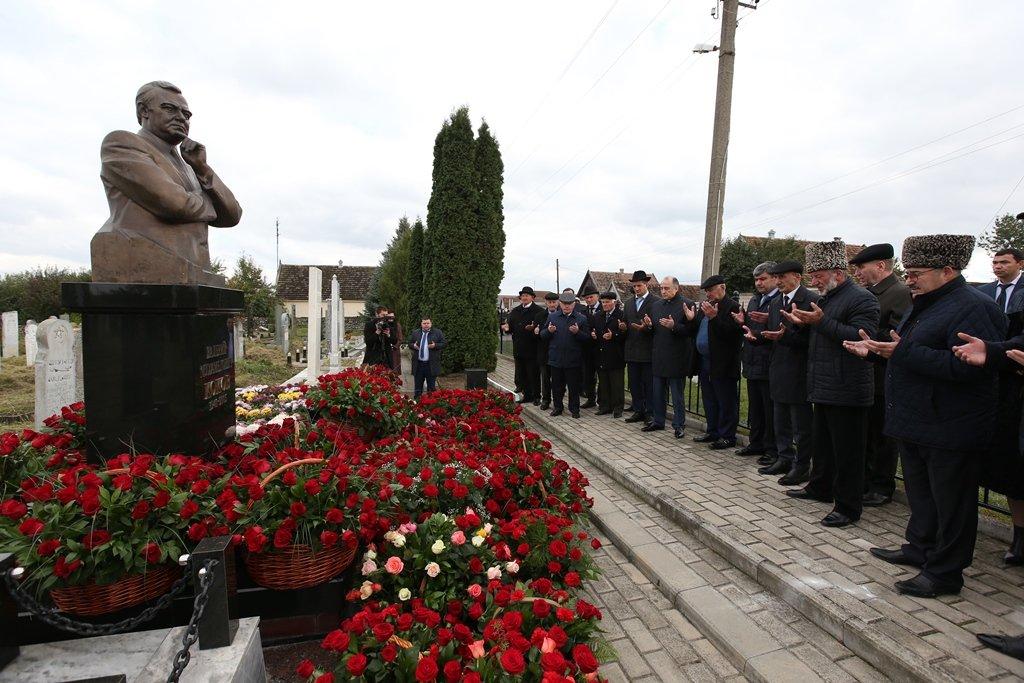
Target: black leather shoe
{"x": 767, "y": 459}
{"x": 874, "y": 500}
{"x": 629, "y": 408}
{"x": 536, "y": 401}
{"x": 778, "y": 467}
{"x": 922, "y": 587}
{"x": 705, "y": 438}
{"x": 804, "y": 494}
{"x": 1015, "y": 553}
{"x": 722, "y": 444}
{"x": 576, "y": 416}
{"x": 556, "y": 412}
{"x": 545, "y": 405}
{"x": 1008, "y": 645}
{"x": 794, "y": 477}
{"x": 636, "y": 417}
{"x": 678, "y": 433}
{"x": 589, "y": 404}
{"x": 616, "y": 414}
{"x": 837, "y": 519}
{"x": 603, "y": 412}
{"x": 893, "y": 556}
{"x": 747, "y": 450}
{"x": 652, "y": 428}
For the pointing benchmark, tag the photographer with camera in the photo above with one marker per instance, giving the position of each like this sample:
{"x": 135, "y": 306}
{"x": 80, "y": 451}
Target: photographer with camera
{"x": 380, "y": 335}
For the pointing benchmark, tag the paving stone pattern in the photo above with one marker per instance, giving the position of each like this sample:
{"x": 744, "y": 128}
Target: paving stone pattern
{"x": 825, "y": 574}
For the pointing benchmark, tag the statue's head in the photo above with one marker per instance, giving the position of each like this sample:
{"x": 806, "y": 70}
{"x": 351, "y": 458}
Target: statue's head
{"x": 162, "y": 110}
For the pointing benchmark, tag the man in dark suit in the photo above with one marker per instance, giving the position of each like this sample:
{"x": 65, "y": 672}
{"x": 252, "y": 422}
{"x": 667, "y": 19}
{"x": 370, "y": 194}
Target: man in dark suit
{"x": 841, "y": 386}
{"x": 941, "y": 411}
{"x": 567, "y": 330}
{"x": 787, "y": 377}
{"x": 719, "y": 338}
{"x": 639, "y": 340}
{"x": 872, "y": 266}
{"x": 611, "y": 360}
{"x": 551, "y": 302}
{"x": 590, "y": 307}
{"x": 426, "y": 345}
{"x": 671, "y": 321}
{"x": 522, "y": 320}
{"x": 756, "y": 361}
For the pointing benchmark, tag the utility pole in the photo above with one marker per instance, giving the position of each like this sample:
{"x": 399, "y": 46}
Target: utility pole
{"x": 558, "y": 281}
{"x": 277, "y": 241}
{"x": 720, "y": 141}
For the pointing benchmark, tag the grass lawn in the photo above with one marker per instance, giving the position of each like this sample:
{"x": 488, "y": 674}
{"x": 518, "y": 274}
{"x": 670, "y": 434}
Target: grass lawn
{"x": 17, "y": 394}
{"x": 263, "y": 364}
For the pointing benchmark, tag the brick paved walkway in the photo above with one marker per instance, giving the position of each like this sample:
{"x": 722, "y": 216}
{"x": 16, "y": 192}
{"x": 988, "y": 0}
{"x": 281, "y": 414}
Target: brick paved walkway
{"x": 825, "y": 574}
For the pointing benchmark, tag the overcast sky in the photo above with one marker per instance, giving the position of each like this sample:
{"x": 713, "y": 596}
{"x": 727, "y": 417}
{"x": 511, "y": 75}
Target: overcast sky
{"x": 325, "y": 115}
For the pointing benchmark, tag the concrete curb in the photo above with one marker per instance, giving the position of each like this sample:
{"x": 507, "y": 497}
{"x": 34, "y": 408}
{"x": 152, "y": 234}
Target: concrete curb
{"x": 867, "y": 642}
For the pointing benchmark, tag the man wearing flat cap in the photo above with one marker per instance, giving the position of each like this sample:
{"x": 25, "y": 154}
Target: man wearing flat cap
{"x": 719, "y": 338}
{"x": 872, "y": 267}
{"x": 840, "y": 386}
{"x": 639, "y": 341}
{"x": 522, "y": 321}
{"x": 591, "y": 307}
{"x": 551, "y": 304}
{"x": 941, "y": 411}
{"x": 756, "y": 359}
{"x": 611, "y": 359}
{"x": 568, "y": 331}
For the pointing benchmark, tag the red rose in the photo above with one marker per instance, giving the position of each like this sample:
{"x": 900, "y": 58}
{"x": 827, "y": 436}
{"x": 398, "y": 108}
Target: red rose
{"x": 95, "y": 539}
{"x": 31, "y": 527}
{"x": 282, "y": 538}
{"x": 305, "y": 668}
{"x": 389, "y": 652}
{"x": 328, "y": 538}
{"x": 452, "y": 671}
{"x": 312, "y": 487}
{"x": 356, "y": 664}
{"x": 553, "y": 661}
{"x": 595, "y": 544}
{"x": 13, "y": 509}
{"x": 541, "y": 608}
{"x": 336, "y": 641}
{"x": 325, "y": 678}
{"x": 123, "y": 482}
{"x": 512, "y": 661}
{"x": 334, "y": 516}
{"x": 197, "y": 532}
{"x": 90, "y": 501}
{"x": 426, "y": 670}
{"x": 572, "y": 579}
{"x": 200, "y": 487}
{"x": 558, "y": 548}
{"x": 152, "y": 553}
{"x": 584, "y": 658}
{"x": 48, "y": 547}
{"x": 188, "y": 508}
{"x": 383, "y": 631}
{"x": 140, "y": 510}
{"x": 161, "y": 498}
{"x": 63, "y": 569}
{"x": 298, "y": 509}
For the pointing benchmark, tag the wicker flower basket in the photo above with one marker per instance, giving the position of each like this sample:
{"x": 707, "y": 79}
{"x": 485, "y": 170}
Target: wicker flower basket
{"x": 90, "y": 599}
{"x": 298, "y": 566}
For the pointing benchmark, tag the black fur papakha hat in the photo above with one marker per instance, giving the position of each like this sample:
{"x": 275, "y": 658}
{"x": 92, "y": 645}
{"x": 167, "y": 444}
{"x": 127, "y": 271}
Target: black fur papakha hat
{"x": 825, "y": 256}
{"x": 936, "y": 251}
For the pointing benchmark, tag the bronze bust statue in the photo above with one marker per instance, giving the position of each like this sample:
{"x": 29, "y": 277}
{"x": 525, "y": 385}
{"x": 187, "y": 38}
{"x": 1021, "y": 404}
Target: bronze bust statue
{"x": 162, "y": 202}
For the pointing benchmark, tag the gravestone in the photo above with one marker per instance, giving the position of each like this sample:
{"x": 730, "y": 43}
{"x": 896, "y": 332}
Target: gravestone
{"x": 313, "y": 330}
{"x": 30, "y": 343}
{"x": 284, "y": 323}
{"x": 239, "y": 335}
{"x": 10, "y": 334}
{"x": 55, "y": 368}
{"x": 79, "y": 367}
{"x": 333, "y": 355}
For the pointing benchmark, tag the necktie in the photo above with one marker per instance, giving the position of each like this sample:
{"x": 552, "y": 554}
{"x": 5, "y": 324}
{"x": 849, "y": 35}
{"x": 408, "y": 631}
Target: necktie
{"x": 1001, "y": 296}
{"x": 424, "y": 351}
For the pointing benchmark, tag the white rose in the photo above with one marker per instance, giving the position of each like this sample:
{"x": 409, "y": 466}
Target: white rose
{"x": 512, "y": 567}
{"x": 438, "y": 547}
{"x": 366, "y": 590}
{"x": 404, "y": 594}
{"x": 493, "y": 573}
{"x": 370, "y": 555}
{"x": 369, "y": 567}
{"x": 478, "y": 541}
{"x": 433, "y": 569}
{"x": 398, "y": 540}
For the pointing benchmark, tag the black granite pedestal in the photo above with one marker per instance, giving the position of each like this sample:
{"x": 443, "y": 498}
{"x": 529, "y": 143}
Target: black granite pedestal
{"x": 159, "y": 365}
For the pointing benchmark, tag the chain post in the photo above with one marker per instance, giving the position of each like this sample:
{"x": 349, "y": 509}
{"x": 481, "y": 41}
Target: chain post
{"x": 9, "y": 647}
{"x": 219, "y": 622}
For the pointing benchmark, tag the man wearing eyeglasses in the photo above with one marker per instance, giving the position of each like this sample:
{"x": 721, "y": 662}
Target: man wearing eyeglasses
{"x": 941, "y": 411}
{"x": 671, "y": 322}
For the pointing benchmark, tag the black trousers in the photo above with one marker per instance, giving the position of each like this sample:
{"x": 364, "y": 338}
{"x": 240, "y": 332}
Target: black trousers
{"x": 422, "y": 375}
{"x": 794, "y": 434}
{"x": 837, "y": 469}
{"x": 641, "y": 387}
{"x": 589, "y": 377}
{"x": 563, "y": 379}
{"x": 942, "y": 489}
{"x": 611, "y": 389}
{"x": 881, "y": 455}
{"x": 760, "y": 417}
{"x": 721, "y": 405}
{"x": 528, "y": 377}
{"x": 545, "y": 383}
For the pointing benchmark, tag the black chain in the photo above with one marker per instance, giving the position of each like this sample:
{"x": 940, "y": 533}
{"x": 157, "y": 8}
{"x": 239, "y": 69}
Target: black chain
{"x": 53, "y": 617}
{"x": 181, "y": 659}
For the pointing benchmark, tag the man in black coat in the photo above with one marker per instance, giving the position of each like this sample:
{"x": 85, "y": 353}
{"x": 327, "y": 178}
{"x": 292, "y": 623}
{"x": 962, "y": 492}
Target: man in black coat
{"x": 522, "y": 320}
{"x": 551, "y": 303}
{"x": 756, "y": 360}
{"x": 840, "y": 385}
{"x": 568, "y": 331}
{"x": 872, "y": 267}
{"x": 611, "y": 360}
{"x": 787, "y": 376}
{"x": 590, "y": 307}
{"x": 380, "y": 336}
{"x": 639, "y": 341}
{"x": 671, "y": 321}
{"x": 425, "y": 346}
{"x": 941, "y": 411}
{"x": 719, "y": 339}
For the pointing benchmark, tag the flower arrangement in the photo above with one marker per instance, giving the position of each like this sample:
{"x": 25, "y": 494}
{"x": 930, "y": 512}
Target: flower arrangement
{"x": 258, "y": 404}
{"x": 368, "y": 399}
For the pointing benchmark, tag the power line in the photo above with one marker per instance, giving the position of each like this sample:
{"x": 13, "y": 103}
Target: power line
{"x": 627, "y": 48}
{"x": 1001, "y": 206}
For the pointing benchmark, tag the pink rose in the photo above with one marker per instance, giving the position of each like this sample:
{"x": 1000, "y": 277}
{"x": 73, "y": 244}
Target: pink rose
{"x": 476, "y": 648}
{"x": 394, "y": 565}
{"x": 458, "y": 538}
{"x": 548, "y": 645}
{"x": 475, "y": 590}
{"x": 407, "y": 528}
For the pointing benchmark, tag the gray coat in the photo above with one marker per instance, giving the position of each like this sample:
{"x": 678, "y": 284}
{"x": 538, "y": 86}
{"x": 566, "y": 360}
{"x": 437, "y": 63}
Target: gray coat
{"x": 834, "y": 375}
{"x": 894, "y": 300}
{"x": 638, "y": 342}
{"x": 757, "y": 357}
{"x": 672, "y": 351}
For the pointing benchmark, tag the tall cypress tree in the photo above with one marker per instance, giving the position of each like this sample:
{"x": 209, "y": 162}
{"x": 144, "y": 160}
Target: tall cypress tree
{"x": 489, "y": 171}
{"x": 416, "y": 273}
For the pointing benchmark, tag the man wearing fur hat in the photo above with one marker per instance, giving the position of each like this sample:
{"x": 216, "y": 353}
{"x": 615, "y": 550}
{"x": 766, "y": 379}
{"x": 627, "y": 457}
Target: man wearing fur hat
{"x": 840, "y": 386}
{"x": 941, "y": 411}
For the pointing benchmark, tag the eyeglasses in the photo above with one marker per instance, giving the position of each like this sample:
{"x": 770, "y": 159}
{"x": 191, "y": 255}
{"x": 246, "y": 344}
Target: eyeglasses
{"x": 914, "y": 274}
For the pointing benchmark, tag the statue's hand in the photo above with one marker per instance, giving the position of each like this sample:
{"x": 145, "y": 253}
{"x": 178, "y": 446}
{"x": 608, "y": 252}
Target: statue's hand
{"x": 194, "y": 154}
